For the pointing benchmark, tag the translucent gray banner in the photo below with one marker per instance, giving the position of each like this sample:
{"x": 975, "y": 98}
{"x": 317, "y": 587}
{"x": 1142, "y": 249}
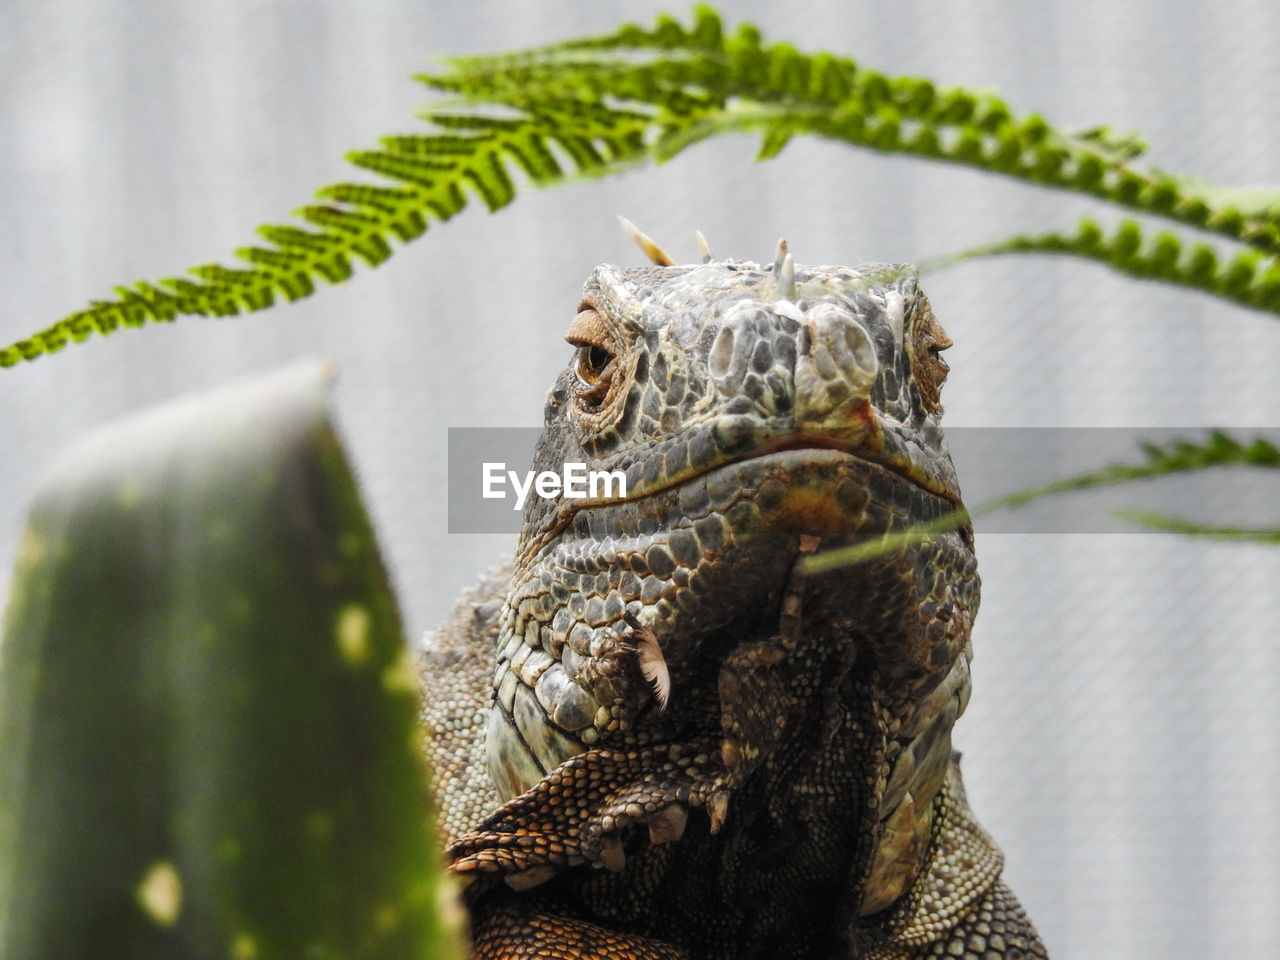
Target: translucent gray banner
{"x": 489, "y": 478}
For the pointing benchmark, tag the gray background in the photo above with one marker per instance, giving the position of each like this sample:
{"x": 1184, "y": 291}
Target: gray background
{"x": 1121, "y": 742}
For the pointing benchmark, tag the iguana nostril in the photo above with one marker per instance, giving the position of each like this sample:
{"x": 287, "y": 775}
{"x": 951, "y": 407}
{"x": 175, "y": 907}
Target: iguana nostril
{"x": 742, "y": 351}
{"x": 857, "y": 346}
{"x": 839, "y": 367}
{"x": 847, "y": 342}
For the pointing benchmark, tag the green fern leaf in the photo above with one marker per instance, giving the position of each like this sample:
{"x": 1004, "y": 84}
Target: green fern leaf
{"x": 1167, "y": 524}
{"x": 704, "y": 82}
{"x": 1249, "y": 278}
{"x": 1219, "y": 449}
{"x": 591, "y": 107}
{"x": 433, "y": 175}
{"x": 1122, "y": 146}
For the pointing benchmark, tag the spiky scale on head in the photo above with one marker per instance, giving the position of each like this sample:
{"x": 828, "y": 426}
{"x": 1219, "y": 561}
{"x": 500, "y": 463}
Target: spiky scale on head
{"x": 779, "y": 256}
{"x": 787, "y": 279}
{"x": 704, "y": 248}
{"x": 655, "y": 253}
{"x": 783, "y": 263}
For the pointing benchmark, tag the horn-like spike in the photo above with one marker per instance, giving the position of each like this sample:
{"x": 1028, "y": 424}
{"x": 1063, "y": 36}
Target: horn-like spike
{"x": 787, "y": 279}
{"x": 778, "y": 257}
{"x": 651, "y": 250}
{"x": 718, "y": 809}
{"x": 704, "y": 248}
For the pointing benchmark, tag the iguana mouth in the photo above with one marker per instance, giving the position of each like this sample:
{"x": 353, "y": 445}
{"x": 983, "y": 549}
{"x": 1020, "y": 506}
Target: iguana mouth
{"x": 797, "y": 453}
{"x": 901, "y": 467}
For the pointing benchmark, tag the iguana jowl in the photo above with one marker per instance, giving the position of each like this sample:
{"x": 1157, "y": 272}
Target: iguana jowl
{"x": 690, "y": 747}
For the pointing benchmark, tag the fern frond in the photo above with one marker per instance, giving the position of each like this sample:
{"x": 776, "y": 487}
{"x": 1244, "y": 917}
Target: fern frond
{"x": 889, "y": 542}
{"x": 1159, "y": 521}
{"x": 590, "y": 107}
{"x": 1249, "y": 277}
{"x": 434, "y": 174}
{"x": 699, "y": 81}
{"x": 1219, "y": 449}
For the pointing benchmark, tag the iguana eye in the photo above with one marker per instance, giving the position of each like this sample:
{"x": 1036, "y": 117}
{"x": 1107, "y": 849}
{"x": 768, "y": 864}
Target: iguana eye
{"x": 593, "y": 372}
{"x": 594, "y": 362}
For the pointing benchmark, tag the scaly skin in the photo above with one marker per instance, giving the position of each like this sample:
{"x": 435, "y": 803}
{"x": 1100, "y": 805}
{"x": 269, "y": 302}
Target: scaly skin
{"x": 690, "y": 746}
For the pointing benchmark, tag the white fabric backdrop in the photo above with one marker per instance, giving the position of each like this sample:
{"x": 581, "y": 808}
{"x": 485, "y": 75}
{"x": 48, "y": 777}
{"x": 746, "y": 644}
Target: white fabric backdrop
{"x": 1120, "y": 742}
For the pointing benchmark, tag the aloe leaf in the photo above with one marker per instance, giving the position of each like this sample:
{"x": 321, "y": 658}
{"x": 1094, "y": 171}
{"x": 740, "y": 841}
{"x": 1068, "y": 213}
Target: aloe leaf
{"x": 208, "y": 741}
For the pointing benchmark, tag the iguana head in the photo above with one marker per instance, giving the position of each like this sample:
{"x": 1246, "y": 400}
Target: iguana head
{"x": 678, "y": 371}
{"x": 756, "y": 412}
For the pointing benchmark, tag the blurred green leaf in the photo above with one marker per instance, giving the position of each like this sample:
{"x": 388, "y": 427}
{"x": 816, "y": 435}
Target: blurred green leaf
{"x": 208, "y": 713}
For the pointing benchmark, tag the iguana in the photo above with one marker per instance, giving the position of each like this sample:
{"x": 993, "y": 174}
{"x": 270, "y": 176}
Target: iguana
{"x": 659, "y": 732}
